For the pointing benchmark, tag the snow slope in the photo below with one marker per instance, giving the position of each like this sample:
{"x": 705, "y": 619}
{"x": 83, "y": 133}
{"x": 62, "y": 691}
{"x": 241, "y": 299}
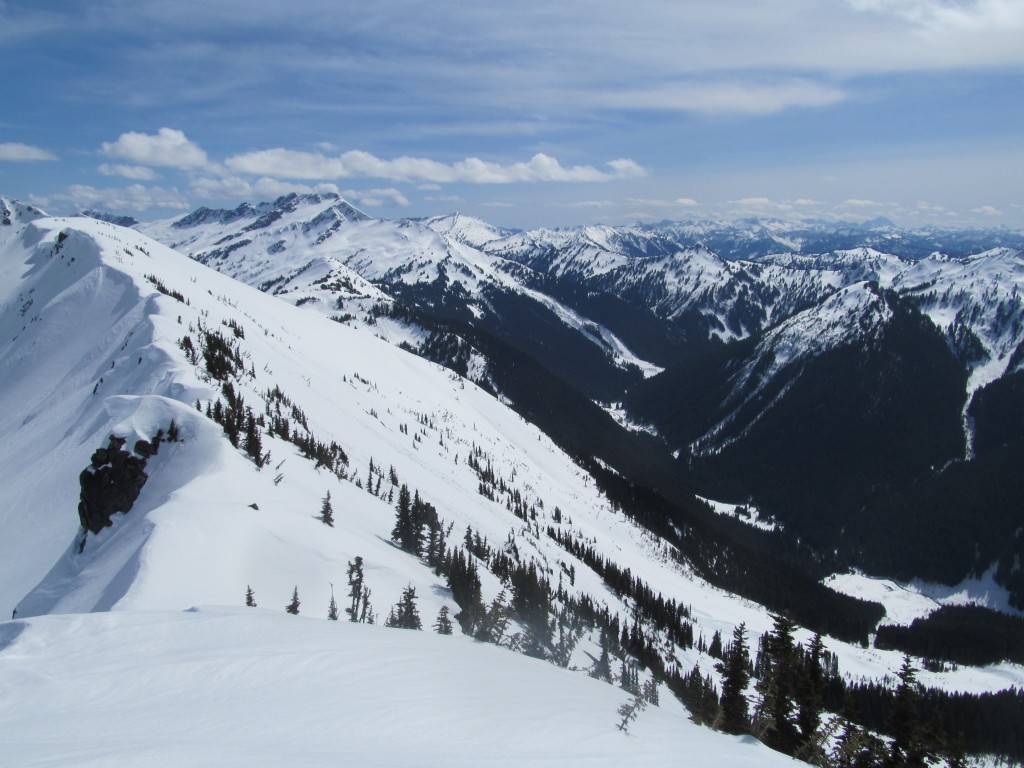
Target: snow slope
{"x": 250, "y": 687}
{"x": 90, "y": 345}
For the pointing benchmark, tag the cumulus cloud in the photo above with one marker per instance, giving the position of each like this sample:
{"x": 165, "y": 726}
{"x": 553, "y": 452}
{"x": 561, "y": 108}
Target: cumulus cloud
{"x": 167, "y": 147}
{"x": 137, "y": 172}
{"x": 15, "y": 152}
{"x": 293, "y": 164}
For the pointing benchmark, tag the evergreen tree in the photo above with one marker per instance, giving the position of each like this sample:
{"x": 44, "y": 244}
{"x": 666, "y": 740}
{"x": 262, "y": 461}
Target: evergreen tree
{"x": 809, "y": 693}
{"x": 602, "y": 669}
{"x": 494, "y": 621}
{"x": 405, "y": 614}
{"x": 735, "y": 669}
{"x": 443, "y": 625}
{"x": 404, "y": 533}
{"x": 250, "y": 597}
{"x": 358, "y": 609}
{"x": 253, "y": 441}
{"x": 332, "y": 608}
{"x": 293, "y": 606}
{"x": 906, "y": 749}
{"x": 327, "y": 511}
{"x": 715, "y": 649}
{"x": 774, "y": 720}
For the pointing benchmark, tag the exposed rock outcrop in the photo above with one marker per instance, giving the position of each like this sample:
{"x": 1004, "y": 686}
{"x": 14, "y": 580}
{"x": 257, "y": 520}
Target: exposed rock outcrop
{"x": 113, "y": 481}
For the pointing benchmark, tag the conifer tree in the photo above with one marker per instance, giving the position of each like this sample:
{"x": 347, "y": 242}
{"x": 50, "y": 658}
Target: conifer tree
{"x": 358, "y": 609}
{"x": 250, "y": 597}
{"x": 327, "y": 511}
{"x": 443, "y": 625}
{"x": 602, "y": 668}
{"x": 332, "y": 608}
{"x": 774, "y": 719}
{"x": 405, "y": 614}
{"x": 735, "y": 678}
{"x": 906, "y": 749}
{"x": 809, "y": 693}
{"x": 404, "y": 534}
{"x": 293, "y": 606}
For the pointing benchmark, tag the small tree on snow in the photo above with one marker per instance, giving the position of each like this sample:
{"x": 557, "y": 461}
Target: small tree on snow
{"x": 630, "y": 710}
{"x": 250, "y": 597}
{"x": 332, "y": 608}
{"x": 405, "y": 614}
{"x": 293, "y": 606}
{"x": 327, "y": 511}
{"x": 443, "y": 625}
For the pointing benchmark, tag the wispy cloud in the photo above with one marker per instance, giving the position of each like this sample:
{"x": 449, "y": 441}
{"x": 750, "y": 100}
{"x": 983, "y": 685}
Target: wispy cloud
{"x": 729, "y": 97}
{"x": 23, "y": 153}
{"x": 293, "y": 164}
{"x": 137, "y": 172}
{"x": 134, "y": 197}
{"x": 987, "y": 210}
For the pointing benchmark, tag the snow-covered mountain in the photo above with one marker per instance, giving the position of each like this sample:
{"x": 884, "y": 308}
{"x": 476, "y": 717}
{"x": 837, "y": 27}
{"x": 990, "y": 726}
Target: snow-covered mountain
{"x": 209, "y": 423}
{"x": 703, "y": 333}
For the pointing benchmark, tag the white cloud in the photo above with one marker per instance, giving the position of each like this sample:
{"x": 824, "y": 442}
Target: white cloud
{"x": 987, "y": 210}
{"x": 215, "y": 188}
{"x": 292, "y": 164}
{"x": 167, "y": 147}
{"x": 137, "y": 172}
{"x": 15, "y": 152}
{"x": 591, "y": 204}
{"x": 862, "y": 203}
{"x": 134, "y": 197}
{"x": 375, "y": 198}
{"x": 729, "y": 97}
{"x": 681, "y": 202}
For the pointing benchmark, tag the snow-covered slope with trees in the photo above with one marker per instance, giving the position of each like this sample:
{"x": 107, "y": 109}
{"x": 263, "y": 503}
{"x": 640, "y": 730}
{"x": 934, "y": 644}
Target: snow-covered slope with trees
{"x": 251, "y": 419}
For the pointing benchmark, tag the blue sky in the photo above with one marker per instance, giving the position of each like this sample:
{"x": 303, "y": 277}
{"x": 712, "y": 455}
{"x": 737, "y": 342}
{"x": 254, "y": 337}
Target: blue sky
{"x": 525, "y": 114}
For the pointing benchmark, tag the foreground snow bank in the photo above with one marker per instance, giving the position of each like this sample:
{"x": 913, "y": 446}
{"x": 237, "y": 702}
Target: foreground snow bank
{"x": 248, "y": 687}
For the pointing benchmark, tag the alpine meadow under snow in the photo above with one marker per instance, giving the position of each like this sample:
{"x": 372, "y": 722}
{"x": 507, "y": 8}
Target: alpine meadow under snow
{"x": 130, "y": 642}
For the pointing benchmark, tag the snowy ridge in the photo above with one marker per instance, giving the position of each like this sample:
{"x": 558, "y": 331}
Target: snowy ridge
{"x": 210, "y": 522}
{"x": 314, "y": 250}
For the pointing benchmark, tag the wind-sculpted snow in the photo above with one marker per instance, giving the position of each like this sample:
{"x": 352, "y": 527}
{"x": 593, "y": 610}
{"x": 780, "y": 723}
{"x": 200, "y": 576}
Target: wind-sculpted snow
{"x": 256, "y": 687}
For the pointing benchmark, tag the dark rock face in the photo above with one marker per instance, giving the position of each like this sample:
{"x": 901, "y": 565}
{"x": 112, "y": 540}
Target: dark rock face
{"x": 113, "y": 481}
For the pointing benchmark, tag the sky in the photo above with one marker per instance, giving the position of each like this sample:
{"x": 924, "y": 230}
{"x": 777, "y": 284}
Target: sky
{"x": 525, "y": 114}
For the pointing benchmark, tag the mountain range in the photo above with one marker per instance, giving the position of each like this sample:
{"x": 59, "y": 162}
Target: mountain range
{"x": 795, "y": 368}
{"x": 632, "y": 440}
